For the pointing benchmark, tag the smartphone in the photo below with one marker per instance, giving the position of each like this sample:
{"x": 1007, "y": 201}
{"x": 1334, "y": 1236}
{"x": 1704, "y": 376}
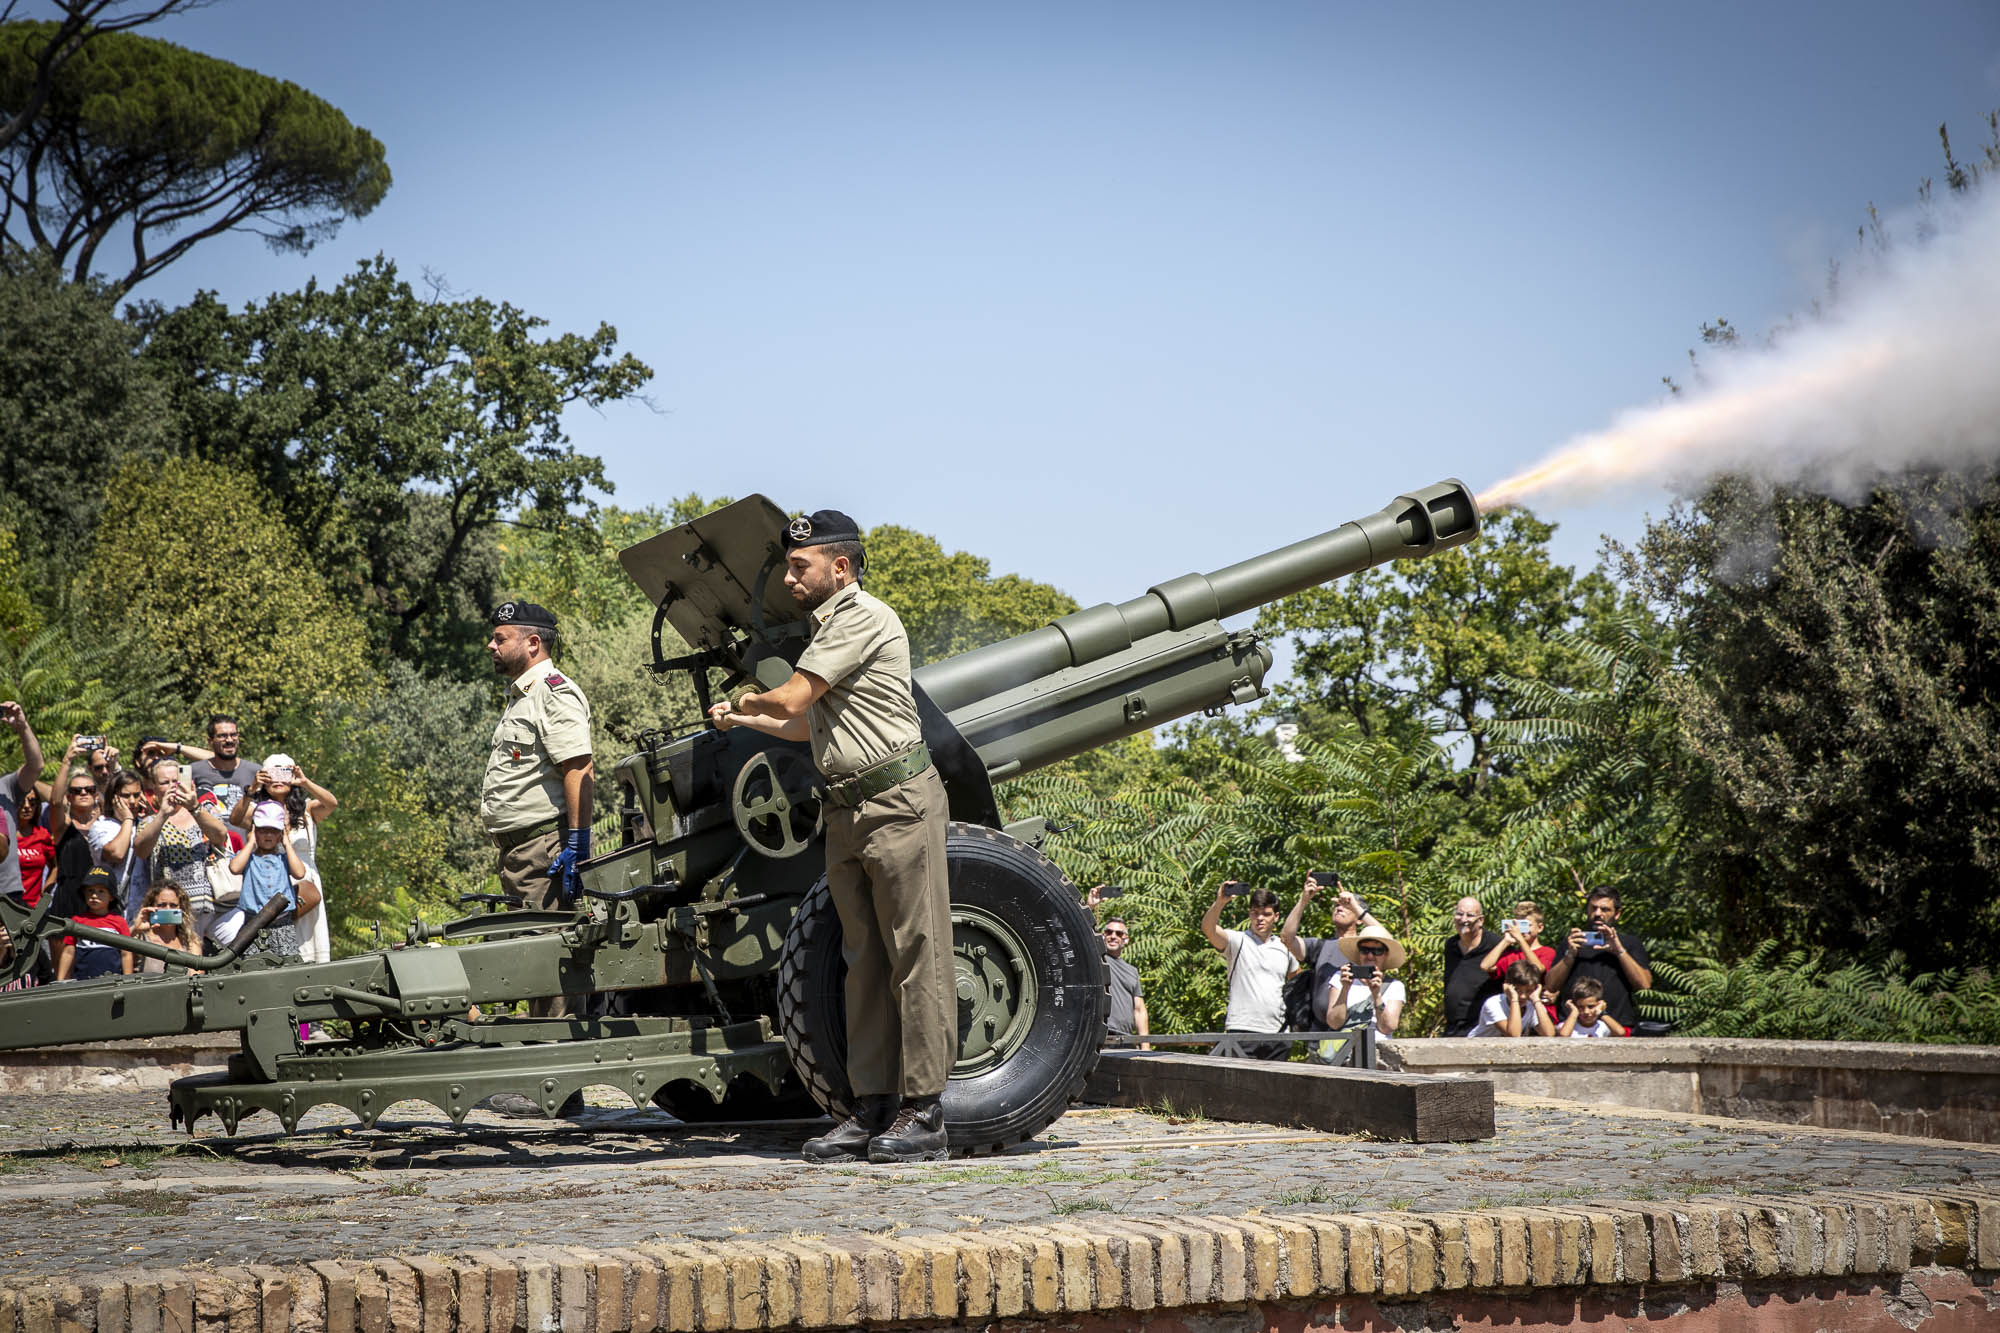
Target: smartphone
{"x": 167, "y": 916}
{"x": 1597, "y": 939}
{"x": 1362, "y": 971}
{"x": 1520, "y": 925}
{"x": 1326, "y": 879}
{"x": 1110, "y": 891}
{"x": 1234, "y": 888}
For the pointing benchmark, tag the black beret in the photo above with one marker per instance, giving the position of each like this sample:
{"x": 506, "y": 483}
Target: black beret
{"x": 821, "y": 527}
{"x": 528, "y": 615}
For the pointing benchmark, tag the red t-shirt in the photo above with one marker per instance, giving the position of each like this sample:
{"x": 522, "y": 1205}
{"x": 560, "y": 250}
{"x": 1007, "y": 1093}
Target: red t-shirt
{"x": 36, "y": 851}
{"x": 109, "y": 921}
{"x": 1544, "y": 954}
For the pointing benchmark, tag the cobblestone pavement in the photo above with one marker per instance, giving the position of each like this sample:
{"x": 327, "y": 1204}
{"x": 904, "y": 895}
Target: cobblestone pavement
{"x": 98, "y": 1180}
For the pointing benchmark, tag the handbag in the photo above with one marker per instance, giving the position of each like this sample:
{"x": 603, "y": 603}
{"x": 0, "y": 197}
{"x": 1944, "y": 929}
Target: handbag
{"x": 225, "y": 887}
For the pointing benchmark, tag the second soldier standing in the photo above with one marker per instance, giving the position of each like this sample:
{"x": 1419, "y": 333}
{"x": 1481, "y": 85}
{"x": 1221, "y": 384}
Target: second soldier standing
{"x": 539, "y": 788}
{"x": 885, "y": 844}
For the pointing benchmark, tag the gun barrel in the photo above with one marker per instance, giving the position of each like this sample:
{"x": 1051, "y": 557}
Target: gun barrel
{"x": 1419, "y": 523}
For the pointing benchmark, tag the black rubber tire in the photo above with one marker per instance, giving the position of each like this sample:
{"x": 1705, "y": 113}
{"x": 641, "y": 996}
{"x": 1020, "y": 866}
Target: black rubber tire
{"x": 1020, "y": 1097}
{"x": 746, "y": 1099}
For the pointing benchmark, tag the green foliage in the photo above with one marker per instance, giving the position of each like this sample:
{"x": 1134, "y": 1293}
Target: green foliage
{"x": 437, "y": 731}
{"x": 75, "y": 404}
{"x": 952, "y": 603}
{"x": 396, "y": 431}
{"x": 1838, "y": 688}
{"x": 69, "y": 683}
{"x": 162, "y": 148}
{"x": 19, "y": 616}
{"x": 1610, "y": 781}
{"x": 196, "y": 561}
{"x": 1440, "y": 642}
{"x": 1806, "y": 995}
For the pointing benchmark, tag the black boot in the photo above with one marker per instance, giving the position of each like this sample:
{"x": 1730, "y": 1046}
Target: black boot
{"x": 917, "y": 1136}
{"x": 848, "y": 1140}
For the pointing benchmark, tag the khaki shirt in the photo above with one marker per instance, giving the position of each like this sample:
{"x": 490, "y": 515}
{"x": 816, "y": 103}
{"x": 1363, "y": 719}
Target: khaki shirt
{"x": 867, "y": 714}
{"x": 547, "y": 722}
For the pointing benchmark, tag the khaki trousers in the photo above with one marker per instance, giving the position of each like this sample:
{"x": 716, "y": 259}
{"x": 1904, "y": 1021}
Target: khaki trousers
{"x": 524, "y": 876}
{"x": 885, "y": 869}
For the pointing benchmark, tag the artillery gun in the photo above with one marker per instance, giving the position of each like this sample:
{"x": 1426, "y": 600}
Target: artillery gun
{"x": 708, "y": 933}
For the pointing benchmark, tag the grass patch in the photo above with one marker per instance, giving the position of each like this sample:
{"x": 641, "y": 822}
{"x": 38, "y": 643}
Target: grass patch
{"x": 1068, "y": 1206}
{"x": 1041, "y": 1173}
{"x": 406, "y": 1190}
{"x": 153, "y": 1203}
{"x": 1313, "y": 1194}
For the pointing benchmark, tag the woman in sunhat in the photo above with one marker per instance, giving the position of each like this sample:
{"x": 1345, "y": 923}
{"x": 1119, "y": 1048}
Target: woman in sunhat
{"x": 1362, "y": 994}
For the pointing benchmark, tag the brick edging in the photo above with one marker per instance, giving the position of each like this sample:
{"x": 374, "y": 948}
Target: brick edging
{"x": 1054, "y": 1269}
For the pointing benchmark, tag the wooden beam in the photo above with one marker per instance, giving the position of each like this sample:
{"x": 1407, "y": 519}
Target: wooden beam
{"x": 1418, "y": 1108}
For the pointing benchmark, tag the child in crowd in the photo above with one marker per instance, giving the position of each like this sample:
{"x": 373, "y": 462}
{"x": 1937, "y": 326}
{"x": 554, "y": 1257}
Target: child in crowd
{"x": 271, "y": 870}
{"x": 164, "y": 920}
{"x": 1585, "y": 1016}
{"x": 1517, "y": 1010}
{"x": 80, "y": 959}
{"x": 1521, "y": 937}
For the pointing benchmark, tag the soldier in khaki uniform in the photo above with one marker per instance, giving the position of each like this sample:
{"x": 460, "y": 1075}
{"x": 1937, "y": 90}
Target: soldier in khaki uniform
{"x": 885, "y": 835}
{"x": 536, "y": 801}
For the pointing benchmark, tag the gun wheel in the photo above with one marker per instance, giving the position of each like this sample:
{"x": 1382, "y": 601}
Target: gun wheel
{"x": 1032, "y": 993}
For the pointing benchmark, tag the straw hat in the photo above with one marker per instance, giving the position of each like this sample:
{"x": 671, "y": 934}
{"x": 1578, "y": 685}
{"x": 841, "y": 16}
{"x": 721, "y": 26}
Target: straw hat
{"x": 1350, "y": 945}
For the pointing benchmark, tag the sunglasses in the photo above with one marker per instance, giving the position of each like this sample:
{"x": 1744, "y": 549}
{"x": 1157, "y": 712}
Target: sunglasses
{"x": 1117, "y": 933}
{"x": 1372, "y": 948}
{"x": 83, "y": 791}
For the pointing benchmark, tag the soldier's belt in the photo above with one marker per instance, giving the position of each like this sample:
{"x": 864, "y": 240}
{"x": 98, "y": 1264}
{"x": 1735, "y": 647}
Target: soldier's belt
{"x": 510, "y": 839}
{"x": 852, "y": 791}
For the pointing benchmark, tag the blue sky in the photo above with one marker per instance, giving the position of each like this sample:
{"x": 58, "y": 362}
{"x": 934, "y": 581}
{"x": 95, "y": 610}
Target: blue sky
{"x": 1108, "y": 292}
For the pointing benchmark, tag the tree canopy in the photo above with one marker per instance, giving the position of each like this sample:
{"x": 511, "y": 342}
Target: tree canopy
{"x": 395, "y": 431}
{"x": 161, "y": 147}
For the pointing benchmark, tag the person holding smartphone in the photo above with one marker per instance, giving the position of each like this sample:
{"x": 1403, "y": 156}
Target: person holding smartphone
{"x": 1616, "y": 959}
{"x": 178, "y": 841}
{"x": 1322, "y": 955}
{"x": 163, "y": 919}
{"x": 1258, "y": 962}
{"x": 1362, "y": 993}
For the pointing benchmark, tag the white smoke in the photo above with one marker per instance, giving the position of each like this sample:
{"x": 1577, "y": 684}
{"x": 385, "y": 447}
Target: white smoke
{"x": 1902, "y": 371}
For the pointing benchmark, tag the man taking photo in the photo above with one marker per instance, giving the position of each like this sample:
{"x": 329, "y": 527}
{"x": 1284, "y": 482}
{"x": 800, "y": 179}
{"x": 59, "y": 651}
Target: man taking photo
{"x": 1616, "y": 959}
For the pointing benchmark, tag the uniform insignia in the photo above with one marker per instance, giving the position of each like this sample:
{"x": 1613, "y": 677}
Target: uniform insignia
{"x": 505, "y": 614}
{"x": 517, "y": 754}
{"x": 800, "y": 529}
{"x": 553, "y": 678}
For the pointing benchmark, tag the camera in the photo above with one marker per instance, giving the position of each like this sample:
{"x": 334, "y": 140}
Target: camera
{"x": 1234, "y": 888}
{"x": 1362, "y": 971}
{"x": 167, "y": 916}
{"x": 1326, "y": 879}
{"x": 1110, "y": 891}
{"x": 1597, "y": 939}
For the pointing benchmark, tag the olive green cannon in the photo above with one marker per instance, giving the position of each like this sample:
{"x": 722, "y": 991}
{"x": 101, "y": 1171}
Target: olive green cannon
{"x": 707, "y": 934}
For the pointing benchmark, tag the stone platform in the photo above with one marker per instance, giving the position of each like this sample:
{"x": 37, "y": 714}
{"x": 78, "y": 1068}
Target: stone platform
{"x": 1571, "y": 1216}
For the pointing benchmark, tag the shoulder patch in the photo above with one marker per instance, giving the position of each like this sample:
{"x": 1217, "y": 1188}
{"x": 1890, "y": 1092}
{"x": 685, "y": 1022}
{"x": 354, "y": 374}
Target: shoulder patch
{"x": 553, "y": 678}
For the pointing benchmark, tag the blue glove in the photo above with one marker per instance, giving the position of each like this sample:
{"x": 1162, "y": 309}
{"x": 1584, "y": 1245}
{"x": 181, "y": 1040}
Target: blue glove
{"x": 562, "y": 870}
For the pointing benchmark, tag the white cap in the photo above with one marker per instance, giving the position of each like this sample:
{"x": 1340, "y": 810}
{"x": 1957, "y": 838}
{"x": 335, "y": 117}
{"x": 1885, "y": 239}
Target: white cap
{"x": 281, "y": 761}
{"x": 268, "y": 814}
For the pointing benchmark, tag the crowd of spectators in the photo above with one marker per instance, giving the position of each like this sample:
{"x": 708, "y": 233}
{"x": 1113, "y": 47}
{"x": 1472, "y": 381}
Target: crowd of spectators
{"x": 1497, "y": 983}
{"x": 178, "y": 849}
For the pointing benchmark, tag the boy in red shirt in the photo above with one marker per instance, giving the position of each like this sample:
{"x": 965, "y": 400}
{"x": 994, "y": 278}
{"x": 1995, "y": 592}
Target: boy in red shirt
{"x": 79, "y": 959}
